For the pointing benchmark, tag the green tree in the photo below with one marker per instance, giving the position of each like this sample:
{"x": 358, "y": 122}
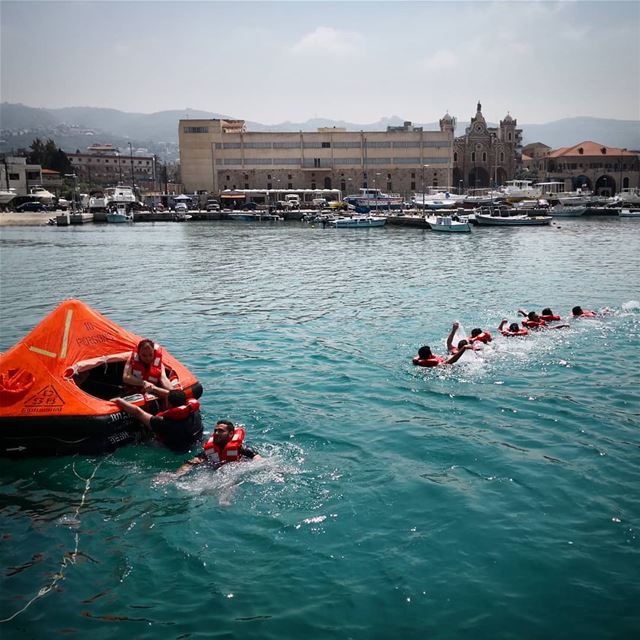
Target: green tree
{"x": 49, "y": 156}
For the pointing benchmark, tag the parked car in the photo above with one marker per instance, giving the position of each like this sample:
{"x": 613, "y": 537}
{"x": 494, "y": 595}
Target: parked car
{"x": 248, "y": 206}
{"x": 181, "y": 206}
{"x": 31, "y": 206}
{"x": 212, "y": 205}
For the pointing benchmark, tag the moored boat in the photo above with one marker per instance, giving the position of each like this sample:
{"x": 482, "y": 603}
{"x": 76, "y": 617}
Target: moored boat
{"x": 448, "y": 224}
{"x": 487, "y": 219}
{"x": 359, "y": 222}
{"x": 58, "y": 382}
{"x": 120, "y": 214}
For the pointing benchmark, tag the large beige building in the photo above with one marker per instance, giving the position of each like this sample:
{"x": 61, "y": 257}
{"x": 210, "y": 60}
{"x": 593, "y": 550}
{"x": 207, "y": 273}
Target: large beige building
{"x": 221, "y": 154}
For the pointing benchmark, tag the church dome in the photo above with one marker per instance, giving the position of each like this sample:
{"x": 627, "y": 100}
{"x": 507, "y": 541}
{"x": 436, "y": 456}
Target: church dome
{"x": 447, "y": 118}
{"x": 508, "y": 118}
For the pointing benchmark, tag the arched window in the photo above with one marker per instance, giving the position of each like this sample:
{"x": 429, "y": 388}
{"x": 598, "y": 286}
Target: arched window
{"x": 473, "y": 156}
{"x": 502, "y": 156}
{"x": 327, "y": 183}
{"x": 484, "y": 156}
{"x": 455, "y": 156}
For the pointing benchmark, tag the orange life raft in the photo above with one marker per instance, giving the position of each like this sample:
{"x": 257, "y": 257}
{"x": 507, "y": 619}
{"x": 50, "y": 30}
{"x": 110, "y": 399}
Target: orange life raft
{"x": 57, "y": 383}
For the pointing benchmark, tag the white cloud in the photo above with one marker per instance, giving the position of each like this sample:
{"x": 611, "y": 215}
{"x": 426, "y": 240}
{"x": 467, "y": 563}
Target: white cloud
{"x": 328, "y": 40}
{"x": 441, "y": 60}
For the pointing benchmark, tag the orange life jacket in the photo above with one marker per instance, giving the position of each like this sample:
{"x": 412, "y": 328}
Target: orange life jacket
{"x": 509, "y": 333}
{"x": 534, "y": 324}
{"x": 485, "y": 337}
{"x": 182, "y": 412}
{"x": 431, "y": 361}
{"x": 552, "y": 318}
{"x": 231, "y": 451}
{"x": 153, "y": 372}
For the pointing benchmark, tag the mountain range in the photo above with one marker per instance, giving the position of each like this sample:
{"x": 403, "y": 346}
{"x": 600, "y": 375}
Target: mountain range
{"x": 77, "y": 127}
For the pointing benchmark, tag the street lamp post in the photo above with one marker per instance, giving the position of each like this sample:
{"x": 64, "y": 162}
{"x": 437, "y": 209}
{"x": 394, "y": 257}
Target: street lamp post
{"x": 133, "y": 181}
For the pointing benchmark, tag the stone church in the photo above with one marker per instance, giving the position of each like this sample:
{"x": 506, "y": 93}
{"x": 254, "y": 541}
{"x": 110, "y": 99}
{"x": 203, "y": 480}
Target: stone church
{"x": 485, "y": 156}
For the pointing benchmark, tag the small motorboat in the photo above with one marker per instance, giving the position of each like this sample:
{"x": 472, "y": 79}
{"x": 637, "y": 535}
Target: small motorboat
{"x": 58, "y": 383}
{"x": 448, "y": 224}
{"x": 359, "y": 222}
{"x": 629, "y": 213}
{"x": 512, "y": 220}
{"x": 121, "y": 214}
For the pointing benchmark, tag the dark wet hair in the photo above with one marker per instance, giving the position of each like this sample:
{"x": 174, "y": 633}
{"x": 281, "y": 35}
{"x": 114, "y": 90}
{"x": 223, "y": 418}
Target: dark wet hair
{"x": 462, "y": 343}
{"x": 476, "y": 332}
{"x": 424, "y": 352}
{"x": 514, "y": 326}
{"x": 532, "y": 315}
{"x": 577, "y": 311}
{"x": 177, "y": 397}
{"x": 547, "y": 312}
{"x": 226, "y": 423}
{"x": 145, "y": 341}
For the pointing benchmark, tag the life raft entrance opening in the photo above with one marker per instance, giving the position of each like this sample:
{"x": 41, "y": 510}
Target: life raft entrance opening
{"x": 104, "y": 381}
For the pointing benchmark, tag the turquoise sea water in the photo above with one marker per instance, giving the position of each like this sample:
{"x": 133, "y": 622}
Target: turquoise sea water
{"x": 497, "y": 498}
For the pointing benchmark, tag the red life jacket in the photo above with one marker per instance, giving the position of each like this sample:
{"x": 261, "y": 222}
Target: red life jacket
{"x": 153, "y": 372}
{"x": 431, "y": 361}
{"x": 231, "y": 451}
{"x": 552, "y": 318}
{"x": 509, "y": 333}
{"x": 534, "y": 324}
{"x": 485, "y": 337}
{"x": 182, "y": 412}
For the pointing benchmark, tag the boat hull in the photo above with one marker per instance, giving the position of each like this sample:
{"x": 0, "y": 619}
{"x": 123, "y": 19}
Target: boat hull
{"x": 513, "y": 221}
{"x": 448, "y": 225}
{"x": 359, "y": 223}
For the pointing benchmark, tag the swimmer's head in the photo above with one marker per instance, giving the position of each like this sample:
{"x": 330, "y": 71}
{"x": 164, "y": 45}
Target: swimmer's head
{"x": 424, "y": 352}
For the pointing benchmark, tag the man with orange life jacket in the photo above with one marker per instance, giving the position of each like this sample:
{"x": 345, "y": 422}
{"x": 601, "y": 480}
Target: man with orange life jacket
{"x": 513, "y": 330}
{"x": 426, "y": 358}
{"x": 578, "y": 312}
{"x": 547, "y": 315}
{"x": 478, "y": 335}
{"x": 178, "y": 427}
{"x": 144, "y": 370}
{"x": 224, "y": 445}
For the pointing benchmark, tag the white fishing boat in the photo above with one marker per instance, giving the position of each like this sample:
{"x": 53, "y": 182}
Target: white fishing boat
{"x": 120, "y": 214}
{"x": 448, "y": 224}
{"x": 359, "y": 222}
{"x": 375, "y": 199}
{"x": 40, "y": 194}
{"x": 628, "y": 213}
{"x": 567, "y": 211}
{"x": 629, "y": 197}
{"x": 515, "y": 190}
{"x": 518, "y": 220}
{"x": 7, "y": 195}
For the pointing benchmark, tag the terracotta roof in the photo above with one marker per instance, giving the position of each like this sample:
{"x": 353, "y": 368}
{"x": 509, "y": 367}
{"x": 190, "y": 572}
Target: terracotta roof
{"x": 589, "y": 149}
{"x": 526, "y": 157}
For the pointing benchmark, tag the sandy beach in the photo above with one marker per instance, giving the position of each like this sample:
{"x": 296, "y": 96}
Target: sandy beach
{"x": 13, "y": 219}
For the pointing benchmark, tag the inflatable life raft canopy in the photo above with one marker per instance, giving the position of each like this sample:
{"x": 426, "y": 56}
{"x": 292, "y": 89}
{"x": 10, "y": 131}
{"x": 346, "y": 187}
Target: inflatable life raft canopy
{"x": 56, "y": 385}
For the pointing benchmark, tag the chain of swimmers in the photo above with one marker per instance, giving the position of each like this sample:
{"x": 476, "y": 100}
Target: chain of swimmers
{"x": 532, "y": 322}
{"x": 179, "y": 426}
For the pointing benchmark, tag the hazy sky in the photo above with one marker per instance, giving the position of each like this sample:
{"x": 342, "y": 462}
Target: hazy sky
{"x": 356, "y": 61}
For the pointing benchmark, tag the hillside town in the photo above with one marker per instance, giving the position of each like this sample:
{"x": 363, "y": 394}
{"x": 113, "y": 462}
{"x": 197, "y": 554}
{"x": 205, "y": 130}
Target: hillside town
{"x": 224, "y": 166}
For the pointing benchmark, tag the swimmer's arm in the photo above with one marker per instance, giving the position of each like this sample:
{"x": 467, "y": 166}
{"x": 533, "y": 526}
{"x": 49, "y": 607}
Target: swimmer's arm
{"x": 522, "y": 312}
{"x": 452, "y": 333}
{"x": 189, "y": 464}
{"x": 136, "y": 412}
{"x": 248, "y": 453}
{"x": 501, "y": 325}
{"x": 456, "y": 356}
